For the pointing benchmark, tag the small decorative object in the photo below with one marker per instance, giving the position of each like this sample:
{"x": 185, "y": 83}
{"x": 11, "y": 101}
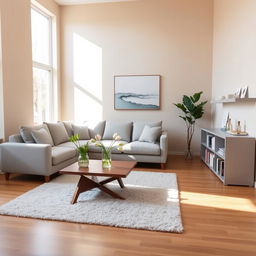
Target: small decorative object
{"x": 83, "y": 158}
{"x": 244, "y": 92}
{"x": 106, "y": 151}
{"x": 238, "y": 131}
{"x": 225, "y": 121}
{"x": 230, "y": 96}
{"x": 192, "y": 112}
{"x": 137, "y": 92}
{"x": 222, "y": 97}
{"x": 237, "y": 93}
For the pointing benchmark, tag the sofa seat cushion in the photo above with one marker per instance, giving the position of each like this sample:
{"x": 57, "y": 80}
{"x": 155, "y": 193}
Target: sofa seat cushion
{"x": 61, "y": 154}
{"x": 71, "y": 144}
{"x": 106, "y": 143}
{"x": 141, "y": 148}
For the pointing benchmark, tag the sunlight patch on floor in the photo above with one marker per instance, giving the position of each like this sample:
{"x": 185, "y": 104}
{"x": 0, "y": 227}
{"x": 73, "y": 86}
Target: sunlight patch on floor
{"x": 216, "y": 201}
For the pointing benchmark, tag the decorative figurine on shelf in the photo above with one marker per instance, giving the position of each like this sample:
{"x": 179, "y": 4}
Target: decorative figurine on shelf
{"x": 238, "y": 131}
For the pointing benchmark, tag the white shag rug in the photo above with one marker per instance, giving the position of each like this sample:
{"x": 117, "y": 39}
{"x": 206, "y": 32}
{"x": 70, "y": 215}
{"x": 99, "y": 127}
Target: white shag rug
{"x": 152, "y": 203}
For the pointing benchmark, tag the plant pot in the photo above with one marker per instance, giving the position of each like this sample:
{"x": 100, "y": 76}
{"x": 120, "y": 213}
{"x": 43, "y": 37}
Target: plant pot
{"x": 83, "y": 160}
{"x": 106, "y": 160}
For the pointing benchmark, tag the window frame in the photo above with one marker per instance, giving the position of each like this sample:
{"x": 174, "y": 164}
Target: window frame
{"x": 47, "y": 67}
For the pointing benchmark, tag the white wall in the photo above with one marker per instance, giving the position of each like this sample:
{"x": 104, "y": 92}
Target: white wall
{"x": 172, "y": 38}
{"x": 17, "y": 62}
{"x": 234, "y": 58}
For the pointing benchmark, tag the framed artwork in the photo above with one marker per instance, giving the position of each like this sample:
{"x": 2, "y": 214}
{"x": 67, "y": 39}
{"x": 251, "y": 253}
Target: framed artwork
{"x": 137, "y": 92}
{"x": 244, "y": 92}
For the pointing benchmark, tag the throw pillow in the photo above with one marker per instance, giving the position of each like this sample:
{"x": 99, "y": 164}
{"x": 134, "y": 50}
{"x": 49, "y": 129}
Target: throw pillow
{"x": 150, "y": 134}
{"x": 58, "y": 132}
{"x": 25, "y": 132}
{"x": 68, "y": 126}
{"x": 138, "y": 127}
{"x": 82, "y": 130}
{"x": 95, "y": 127}
{"x": 121, "y": 128}
{"x": 41, "y": 136}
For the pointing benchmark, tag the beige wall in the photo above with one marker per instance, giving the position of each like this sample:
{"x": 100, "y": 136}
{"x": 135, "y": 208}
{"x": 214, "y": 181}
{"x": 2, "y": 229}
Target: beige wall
{"x": 172, "y": 38}
{"x": 17, "y": 62}
{"x": 234, "y": 58}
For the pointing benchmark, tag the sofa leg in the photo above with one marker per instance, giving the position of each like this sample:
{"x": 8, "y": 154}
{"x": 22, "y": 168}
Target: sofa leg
{"x": 162, "y": 166}
{"x": 7, "y": 176}
{"x": 47, "y": 178}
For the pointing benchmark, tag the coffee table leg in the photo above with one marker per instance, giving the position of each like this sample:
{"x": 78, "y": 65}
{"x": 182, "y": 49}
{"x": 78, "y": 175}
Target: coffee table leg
{"x": 86, "y": 184}
{"x": 83, "y": 185}
{"x": 120, "y": 182}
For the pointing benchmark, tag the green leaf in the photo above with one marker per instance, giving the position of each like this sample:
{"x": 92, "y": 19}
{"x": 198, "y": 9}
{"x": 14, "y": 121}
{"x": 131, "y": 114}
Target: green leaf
{"x": 182, "y": 107}
{"x": 196, "y": 97}
{"x": 183, "y": 117}
{"x": 188, "y": 103}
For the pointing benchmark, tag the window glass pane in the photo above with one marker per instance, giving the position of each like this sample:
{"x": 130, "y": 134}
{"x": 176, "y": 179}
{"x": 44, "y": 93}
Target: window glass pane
{"x": 42, "y": 85}
{"x": 40, "y": 26}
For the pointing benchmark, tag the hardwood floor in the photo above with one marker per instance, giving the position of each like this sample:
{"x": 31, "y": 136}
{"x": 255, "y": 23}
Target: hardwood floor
{"x": 218, "y": 220}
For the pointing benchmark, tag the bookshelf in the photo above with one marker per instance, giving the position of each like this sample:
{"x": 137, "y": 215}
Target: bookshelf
{"x": 230, "y": 158}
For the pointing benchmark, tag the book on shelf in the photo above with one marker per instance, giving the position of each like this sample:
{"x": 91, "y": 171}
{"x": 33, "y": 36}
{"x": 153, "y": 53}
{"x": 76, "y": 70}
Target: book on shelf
{"x": 221, "y": 151}
{"x": 210, "y": 141}
{"x": 220, "y": 166}
{"x": 209, "y": 158}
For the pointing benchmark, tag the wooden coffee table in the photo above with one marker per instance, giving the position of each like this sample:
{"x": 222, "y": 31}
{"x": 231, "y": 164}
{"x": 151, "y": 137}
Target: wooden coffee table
{"x": 119, "y": 170}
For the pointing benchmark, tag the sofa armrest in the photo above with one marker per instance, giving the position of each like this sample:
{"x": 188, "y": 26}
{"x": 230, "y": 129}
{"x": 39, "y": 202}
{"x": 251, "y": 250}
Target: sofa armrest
{"x": 26, "y": 158}
{"x": 164, "y": 146}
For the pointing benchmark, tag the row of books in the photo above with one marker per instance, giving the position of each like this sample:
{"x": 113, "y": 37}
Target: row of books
{"x": 210, "y": 140}
{"x": 216, "y": 163}
{"x": 221, "y": 151}
{"x": 209, "y": 158}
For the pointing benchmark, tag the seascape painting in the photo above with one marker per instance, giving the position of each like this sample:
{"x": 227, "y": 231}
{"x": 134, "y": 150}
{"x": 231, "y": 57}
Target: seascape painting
{"x": 140, "y": 92}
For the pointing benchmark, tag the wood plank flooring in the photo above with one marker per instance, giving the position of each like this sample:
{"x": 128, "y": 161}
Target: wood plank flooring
{"x": 218, "y": 220}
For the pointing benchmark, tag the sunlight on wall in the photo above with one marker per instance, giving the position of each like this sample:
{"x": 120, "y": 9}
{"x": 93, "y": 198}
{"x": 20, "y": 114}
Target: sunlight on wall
{"x": 87, "y": 74}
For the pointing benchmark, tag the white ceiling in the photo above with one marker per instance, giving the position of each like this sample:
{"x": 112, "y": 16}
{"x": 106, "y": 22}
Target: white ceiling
{"x": 70, "y": 2}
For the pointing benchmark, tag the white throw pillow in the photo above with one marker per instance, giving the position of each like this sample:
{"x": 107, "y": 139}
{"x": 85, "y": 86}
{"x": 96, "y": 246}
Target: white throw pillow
{"x": 150, "y": 134}
{"x": 82, "y": 131}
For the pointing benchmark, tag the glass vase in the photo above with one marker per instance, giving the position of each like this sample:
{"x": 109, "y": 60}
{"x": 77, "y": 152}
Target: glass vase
{"x": 106, "y": 160}
{"x": 83, "y": 160}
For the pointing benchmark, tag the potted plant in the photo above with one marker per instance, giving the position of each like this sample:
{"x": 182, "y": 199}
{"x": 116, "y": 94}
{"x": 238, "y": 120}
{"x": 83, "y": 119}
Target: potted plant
{"x": 83, "y": 158}
{"x": 192, "y": 111}
{"x": 106, "y": 150}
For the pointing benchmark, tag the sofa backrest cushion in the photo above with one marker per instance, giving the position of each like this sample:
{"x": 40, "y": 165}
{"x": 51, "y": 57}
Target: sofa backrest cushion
{"x": 58, "y": 132}
{"x": 41, "y": 136}
{"x": 123, "y": 129}
{"x": 25, "y": 132}
{"x": 16, "y": 138}
{"x": 68, "y": 126}
{"x": 82, "y": 131}
{"x": 95, "y": 127}
{"x": 138, "y": 127}
{"x": 150, "y": 134}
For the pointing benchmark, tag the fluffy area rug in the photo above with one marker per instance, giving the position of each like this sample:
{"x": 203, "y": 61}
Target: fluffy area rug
{"x": 152, "y": 203}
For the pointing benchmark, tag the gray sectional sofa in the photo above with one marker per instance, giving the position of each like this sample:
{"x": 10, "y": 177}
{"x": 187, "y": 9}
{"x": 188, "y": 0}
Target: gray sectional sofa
{"x": 45, "y": 149}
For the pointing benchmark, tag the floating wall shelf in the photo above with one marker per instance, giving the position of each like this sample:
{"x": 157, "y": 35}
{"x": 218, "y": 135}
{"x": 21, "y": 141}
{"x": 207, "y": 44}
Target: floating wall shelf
{"x": 234, "y": 100}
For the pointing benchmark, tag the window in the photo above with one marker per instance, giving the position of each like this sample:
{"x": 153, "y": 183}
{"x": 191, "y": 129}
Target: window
{"x": 43, "y": 70}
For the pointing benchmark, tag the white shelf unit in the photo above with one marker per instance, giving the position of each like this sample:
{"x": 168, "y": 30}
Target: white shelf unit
{"x": 238, "y": 156}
